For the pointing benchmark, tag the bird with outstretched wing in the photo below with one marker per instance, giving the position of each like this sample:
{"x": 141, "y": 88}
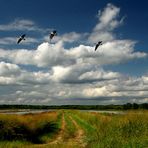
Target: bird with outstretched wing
{"x": 22, "y": 37}
{"x": 52, "y": 34}
{"x": 98, "y": 44}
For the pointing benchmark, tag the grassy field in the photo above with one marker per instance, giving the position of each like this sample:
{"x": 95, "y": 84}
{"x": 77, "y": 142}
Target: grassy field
{"x": 72, "y": 128}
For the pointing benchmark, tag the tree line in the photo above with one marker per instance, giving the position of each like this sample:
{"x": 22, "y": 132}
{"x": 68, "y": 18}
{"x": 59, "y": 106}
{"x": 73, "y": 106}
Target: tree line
{"x": 126, "y": 106}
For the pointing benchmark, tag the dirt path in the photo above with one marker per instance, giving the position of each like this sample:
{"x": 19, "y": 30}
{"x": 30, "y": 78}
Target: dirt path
{"x": 79, "y": 135}
{"x": 76, "y": 142}
{"x": 58, "y": 138}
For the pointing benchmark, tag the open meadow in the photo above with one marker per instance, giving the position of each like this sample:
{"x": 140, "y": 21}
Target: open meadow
{"x": 73, "y": 128}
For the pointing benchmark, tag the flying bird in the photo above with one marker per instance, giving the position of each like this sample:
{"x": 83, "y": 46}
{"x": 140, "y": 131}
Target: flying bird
{"x": 22, "y": 37}
{"x": 98, "y": 44}
{"x": 52, "y": 34}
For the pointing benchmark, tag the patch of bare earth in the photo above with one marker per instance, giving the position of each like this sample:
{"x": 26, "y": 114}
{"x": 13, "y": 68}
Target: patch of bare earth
{"x": 78, "y": 139}
{"x": 60, "y": 142}
{"x": 59, "y": 138}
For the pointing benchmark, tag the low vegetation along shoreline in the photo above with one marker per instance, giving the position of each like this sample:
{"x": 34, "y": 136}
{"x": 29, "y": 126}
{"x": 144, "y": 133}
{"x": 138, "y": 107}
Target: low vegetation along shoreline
{"x": 126, "y": 106}
{"x": 73, "y": 128}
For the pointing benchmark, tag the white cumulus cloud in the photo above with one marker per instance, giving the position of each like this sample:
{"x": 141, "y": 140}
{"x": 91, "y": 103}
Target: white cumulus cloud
{"x": 107, "y": 22}
{"x": 71, "y": 74}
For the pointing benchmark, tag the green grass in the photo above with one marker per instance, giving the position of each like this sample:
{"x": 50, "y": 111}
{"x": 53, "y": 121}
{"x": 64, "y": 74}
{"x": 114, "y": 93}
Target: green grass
{"x": 49, "y": 136}
{"x": 70, "y": 127}
{"x": 111, "y": 131}
{"x": 30, "y": 128}
{"x": 101, "y": 130}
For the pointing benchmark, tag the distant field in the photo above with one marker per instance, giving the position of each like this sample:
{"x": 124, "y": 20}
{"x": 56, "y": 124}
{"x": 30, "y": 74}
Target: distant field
{"x": 73, "y": 128}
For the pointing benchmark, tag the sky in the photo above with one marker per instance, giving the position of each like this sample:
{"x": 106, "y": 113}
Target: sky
{"x": 67, "y": 70}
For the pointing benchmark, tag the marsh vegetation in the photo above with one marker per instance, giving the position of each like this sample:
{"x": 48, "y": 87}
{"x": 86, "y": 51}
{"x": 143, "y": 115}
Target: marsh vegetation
{"x": 73, "y": 128}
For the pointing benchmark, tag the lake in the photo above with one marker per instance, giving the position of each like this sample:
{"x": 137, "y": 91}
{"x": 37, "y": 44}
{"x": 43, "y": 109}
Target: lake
{"x": 25, "y": 111}
{"x": 33, "y": 111}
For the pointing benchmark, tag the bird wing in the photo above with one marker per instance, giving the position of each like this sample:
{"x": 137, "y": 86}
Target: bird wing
{"x": 19, "y": 40}
{"x": 23, "y": 35}
{"x": 96, "y": 47}
{"x": 54, "y": 31}
{"x": 51, "y": 36}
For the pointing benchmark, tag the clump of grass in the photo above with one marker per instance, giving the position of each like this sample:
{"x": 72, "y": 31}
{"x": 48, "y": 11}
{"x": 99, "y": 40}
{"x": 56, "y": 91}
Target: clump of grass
{"x": 28, "y": 127}
{"x": 52, "y": 135}
{"x": 82, "y": 121}
{"x": 70, "y": 127}
{"x": 129, "y": 130}
{"x": 15, "y": 144}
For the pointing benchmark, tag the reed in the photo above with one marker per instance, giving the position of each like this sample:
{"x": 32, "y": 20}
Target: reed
{"x": 27, "y": 127}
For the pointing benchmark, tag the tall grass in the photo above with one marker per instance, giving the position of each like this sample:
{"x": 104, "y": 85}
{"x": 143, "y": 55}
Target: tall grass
{"x": 70, "y": 130}
{"x": 129, "y": 130}
{"x": 28, "y": 127}
{"x": 50, "y": 136}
